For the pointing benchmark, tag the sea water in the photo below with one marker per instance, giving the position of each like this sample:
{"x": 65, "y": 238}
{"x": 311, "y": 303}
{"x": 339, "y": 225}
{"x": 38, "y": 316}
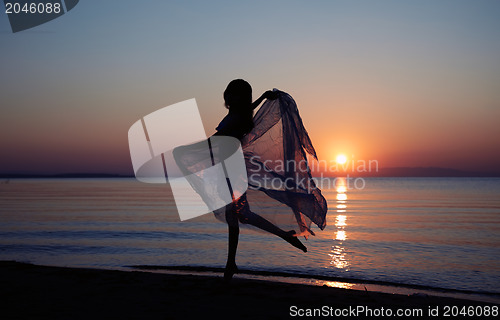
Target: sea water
{"x": 437, "y": 232}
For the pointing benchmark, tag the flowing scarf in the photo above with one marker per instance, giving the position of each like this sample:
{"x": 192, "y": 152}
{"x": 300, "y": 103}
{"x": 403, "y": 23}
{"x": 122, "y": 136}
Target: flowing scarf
{"x": 275, "y": 153}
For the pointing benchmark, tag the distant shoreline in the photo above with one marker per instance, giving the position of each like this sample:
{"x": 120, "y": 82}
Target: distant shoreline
{"x": 62, "y": 175}
{"x": 402, "y": 172}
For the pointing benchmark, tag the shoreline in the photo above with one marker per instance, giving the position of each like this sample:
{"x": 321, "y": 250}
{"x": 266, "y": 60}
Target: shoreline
{"x": 335, "y": 282}
{"x": 263, "y": 273}
{"x": 47, "y": 292}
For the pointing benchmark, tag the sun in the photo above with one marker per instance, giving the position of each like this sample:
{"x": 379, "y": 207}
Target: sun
{"x": 341, "y": 159}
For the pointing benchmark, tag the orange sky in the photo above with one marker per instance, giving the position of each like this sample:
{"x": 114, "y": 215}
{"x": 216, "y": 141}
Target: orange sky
{"x": 408, "y": 85}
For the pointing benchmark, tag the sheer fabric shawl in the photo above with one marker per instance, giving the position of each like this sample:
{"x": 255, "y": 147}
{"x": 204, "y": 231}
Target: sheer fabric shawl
{"x": 275, "y": 154}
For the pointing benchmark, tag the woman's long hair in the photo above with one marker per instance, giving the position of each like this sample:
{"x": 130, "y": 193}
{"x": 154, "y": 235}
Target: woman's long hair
{"x": 238, "y": 99}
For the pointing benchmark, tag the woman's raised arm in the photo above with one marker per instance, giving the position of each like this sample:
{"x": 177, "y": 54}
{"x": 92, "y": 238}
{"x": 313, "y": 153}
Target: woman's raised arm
{"x": 271, "y": 95}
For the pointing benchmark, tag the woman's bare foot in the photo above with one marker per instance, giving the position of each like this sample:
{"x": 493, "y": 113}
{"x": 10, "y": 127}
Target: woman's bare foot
{"x": 294, "y": 241}
{"x": 230, "y": 270}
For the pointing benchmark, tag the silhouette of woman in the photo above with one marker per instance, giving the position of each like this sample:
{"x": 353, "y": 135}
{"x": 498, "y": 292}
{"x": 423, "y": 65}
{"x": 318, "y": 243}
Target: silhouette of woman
{"x": 238, "y": 123}
{"x": 274, "y": 135}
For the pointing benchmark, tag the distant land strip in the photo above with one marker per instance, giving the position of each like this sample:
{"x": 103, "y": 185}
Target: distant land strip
{"x": 403, "y": 172}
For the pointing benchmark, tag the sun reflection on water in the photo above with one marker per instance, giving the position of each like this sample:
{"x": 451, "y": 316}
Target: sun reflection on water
{"x": 341, "y": 235}
{"x": 336, "y": 284}
{"x": 340, "y": 220}
{"x": 341, "y": 189}
{"x": 339, "y": 258}
{"x": 341, "y": 197}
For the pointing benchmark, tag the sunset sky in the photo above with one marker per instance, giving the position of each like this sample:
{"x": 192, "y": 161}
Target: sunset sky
{"x": 408, "y": 84}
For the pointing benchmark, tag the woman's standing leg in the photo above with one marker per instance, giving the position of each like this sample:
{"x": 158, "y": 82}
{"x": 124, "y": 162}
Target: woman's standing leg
{"x": 234, "y": 232}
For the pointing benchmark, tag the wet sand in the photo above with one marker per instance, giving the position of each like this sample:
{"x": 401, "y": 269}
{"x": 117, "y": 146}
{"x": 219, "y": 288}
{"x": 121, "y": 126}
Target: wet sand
{"x": 41, "y": 292}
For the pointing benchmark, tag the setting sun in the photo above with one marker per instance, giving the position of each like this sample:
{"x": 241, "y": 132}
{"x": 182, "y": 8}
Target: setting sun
{"x": 341, "y": 159}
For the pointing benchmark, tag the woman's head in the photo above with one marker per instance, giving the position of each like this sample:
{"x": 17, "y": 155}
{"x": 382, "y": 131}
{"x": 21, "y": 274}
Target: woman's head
{"x": 238, "y": 96}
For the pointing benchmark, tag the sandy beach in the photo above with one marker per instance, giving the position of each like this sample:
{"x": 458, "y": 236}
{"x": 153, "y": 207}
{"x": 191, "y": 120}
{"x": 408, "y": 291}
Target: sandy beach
{"x": 42, "y": 292}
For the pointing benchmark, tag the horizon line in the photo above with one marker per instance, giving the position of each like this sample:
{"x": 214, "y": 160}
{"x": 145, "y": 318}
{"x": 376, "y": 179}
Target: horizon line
{"x": 382, "y": 172}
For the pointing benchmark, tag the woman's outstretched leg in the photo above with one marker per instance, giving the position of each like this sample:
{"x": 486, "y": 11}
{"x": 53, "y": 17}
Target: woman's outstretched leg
{"x": 259, "y": 222}
{"x": 234, "y": 232}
